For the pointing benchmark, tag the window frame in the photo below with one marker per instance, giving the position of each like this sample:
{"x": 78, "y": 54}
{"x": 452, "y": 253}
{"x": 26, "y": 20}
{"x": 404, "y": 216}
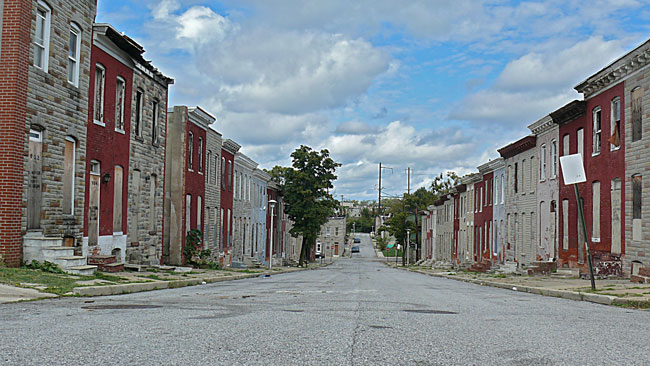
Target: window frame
{"x": 155, "y": 105}
{"x": 76, "y": 30}
{"x": 597, "y": 131}
{"x": 119, "y": 117}
{"x": 102, "y": 100}
{"x": 45, "y": 46}
{"x": 554, "y": 159}
{"x": 190, "y": 151}
{"x": 139, "y": 102}
{"x": 542, "y": 165}
{"x": 614, "y": 122}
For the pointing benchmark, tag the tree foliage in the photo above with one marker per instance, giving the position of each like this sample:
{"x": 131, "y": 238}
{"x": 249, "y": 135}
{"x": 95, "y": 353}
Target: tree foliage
{"x": 443, "y": 184}
{"x": 306, "y": 186}
{"x": 363, "y": 224}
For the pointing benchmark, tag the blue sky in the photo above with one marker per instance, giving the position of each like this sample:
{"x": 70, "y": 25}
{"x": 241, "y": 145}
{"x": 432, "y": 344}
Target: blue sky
{"x": 434, "y": 85}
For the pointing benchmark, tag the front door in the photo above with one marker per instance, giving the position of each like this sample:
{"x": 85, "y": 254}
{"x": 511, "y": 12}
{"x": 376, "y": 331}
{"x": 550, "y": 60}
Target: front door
{"x": 616, "y": 216}
{"x": 34, "y": 165}
{"x": 93, "y": 204}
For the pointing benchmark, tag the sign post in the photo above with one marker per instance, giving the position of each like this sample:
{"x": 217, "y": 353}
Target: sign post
{"x": 573, "y": 172}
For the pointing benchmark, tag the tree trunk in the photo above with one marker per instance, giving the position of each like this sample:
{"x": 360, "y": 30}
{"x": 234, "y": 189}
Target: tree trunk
{"x": 306, "y": 247}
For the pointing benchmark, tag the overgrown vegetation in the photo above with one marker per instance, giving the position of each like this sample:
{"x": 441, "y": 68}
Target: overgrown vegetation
{"x": 45, "y": 267}
{"x": 192, "y": 245}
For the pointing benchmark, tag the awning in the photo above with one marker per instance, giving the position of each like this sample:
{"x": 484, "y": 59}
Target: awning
{"x": 390, "y": 246}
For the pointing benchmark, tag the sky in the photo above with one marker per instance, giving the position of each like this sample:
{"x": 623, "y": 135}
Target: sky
{"x": 431, "y": 85}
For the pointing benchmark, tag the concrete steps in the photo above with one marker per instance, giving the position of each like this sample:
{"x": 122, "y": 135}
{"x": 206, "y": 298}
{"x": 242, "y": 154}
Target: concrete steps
{"x": 566, "y": 273}
{"x": 86, "y": 270}
{"x": 541, "y": 268}
{"x": 106, "y": 263}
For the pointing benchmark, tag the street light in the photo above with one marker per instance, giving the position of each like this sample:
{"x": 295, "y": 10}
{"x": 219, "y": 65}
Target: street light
{"x": 271, "y": 206}
{"x": 408, "y": 244}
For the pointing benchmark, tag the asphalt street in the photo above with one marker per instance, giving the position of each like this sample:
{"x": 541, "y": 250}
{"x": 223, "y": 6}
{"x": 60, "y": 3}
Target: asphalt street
{"x": 355, "y": 312}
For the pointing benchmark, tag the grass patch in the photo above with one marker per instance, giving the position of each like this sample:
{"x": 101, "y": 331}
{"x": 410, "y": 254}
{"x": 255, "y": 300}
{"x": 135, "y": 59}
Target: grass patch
{"x": 59, "y": 284}
{"x": 391, "y": 252}
{"x": 106, "y": 277}
{"x": 155, "y": 277}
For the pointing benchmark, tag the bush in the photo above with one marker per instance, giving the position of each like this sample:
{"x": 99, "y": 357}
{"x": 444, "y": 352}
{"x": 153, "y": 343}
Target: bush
{"x": 381, "y": 243}
{"x": 45, "y": 267}
{"x": 192, "y": 245}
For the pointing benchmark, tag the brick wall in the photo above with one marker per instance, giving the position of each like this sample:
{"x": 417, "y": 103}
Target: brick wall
{"x": 14, "y": 67}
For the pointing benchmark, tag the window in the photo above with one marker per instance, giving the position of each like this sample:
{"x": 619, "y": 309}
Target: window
{"x": 118, "y": 178}
{"x": 152, "y": 202}
{"x": 208, "y": 157}
{"x": 119, "y": 104}
{"x": 637, "y": 190}
{"x": 73, "y": 54}
{"x": 188, "y": 212}
{"x": 597, "y": 130}
{"x": 565, "y": 144}
{"x": 595, "y": 227}
{"x": 138, "y": 112}
{"x": 221, "y": 226}
{"x": 223, "y": 173}
{"x": 98, "y": 104}
{"x": 230, "y": 177}
{"x": 154, "y": 123}
{"x": 637, "y": 113}
{"x": 516, "y": 183}
{"x": 503, "y": 189}
{"x": 565, "y": 224}
{"x": 523, "y": 176}
{"x": 68, "y": 175}
{"x": 216, "y": 169}
{"x": 200, "y": 154}
{"x": 199, "y": 212}
{"x": 554, "y": 160}
{"x": 42, "y": 36}
{"x": 581, "y": 142}
{"x": 615, "y": 124}
{"x": 190, "y": 151}
{"x": 542, "y": 164}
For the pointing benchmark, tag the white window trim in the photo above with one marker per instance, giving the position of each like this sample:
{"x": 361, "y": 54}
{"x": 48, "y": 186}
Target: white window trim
{"x": 200, "y": 156}
{"x": 612, "y": 121}
{"x": 101, "y": 106}
{"x": 554, "y": 159}
{"x": 74, "y": 172}
{"x": 77, "y": 31}
{"x": 190, "y": 148}
{"x": 542, "y": 165}
{"x": 118, "y": 80}
{"x": 45, "y": 56}
{"x": 594, "y": 132}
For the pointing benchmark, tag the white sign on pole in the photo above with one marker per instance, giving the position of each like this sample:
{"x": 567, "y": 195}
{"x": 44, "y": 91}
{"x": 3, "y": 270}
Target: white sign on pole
{"x": 573, "y": 170}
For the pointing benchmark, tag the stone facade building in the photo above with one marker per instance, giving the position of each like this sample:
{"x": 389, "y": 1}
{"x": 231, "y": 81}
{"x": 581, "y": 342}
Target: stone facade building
{"x": 444, "y": 229}
{"x": 184, "y": 178}
{"x": 228, "y": 150}
{"x": 634, "y": 67}
{"x": 45, "y": 71}
{"x": 466, "y": 221}
{"x": 331, "y": 239}
{"x": 247, "y": 199}
{"x": 212, "y": 191}
{"x": 521, "y": 202}
{"x": 547, "y": 133}
{"x": 499, "y": 210}
{"x": 260, "y": 216}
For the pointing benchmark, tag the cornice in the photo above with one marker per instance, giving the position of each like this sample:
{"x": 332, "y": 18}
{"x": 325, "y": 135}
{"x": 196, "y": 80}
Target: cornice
{"x": 231, "y": 146}
{"x": 491, "y": 165}
{"x": 245, "y": 161}
{"x": 616, "y": 71}
{"x": 569, "y": 112}
{"x": 262, "y": 175}
{"x": 200, "y": 117}
{"x": 518, "y": 147}
{"x": 542, "y": 125}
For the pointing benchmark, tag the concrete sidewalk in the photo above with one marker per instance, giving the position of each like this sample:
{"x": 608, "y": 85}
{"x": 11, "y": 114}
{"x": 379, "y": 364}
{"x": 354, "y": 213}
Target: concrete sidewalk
{"x": 130, "y": 282}
{"x": 608, "y": 292}
{"x": 14, "y": 294}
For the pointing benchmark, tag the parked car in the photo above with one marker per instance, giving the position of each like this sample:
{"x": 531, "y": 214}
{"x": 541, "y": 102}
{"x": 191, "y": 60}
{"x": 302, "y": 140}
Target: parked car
{"x": 357, "y": 240}
{"x": 355, "y": 249}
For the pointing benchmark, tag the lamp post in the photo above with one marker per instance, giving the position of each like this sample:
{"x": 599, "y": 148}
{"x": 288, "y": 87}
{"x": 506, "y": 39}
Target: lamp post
{"x": 408, "y": 244}
{"x": 271, "y": 206}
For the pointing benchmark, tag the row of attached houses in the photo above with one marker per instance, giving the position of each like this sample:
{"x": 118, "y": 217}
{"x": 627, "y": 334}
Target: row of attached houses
{"x": 517, "y": 210}
{"x": 97, "y": 168}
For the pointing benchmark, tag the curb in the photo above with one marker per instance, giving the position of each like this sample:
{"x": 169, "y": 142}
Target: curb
{"x": 128, "y": 288}
{"x": 565, "y": 294}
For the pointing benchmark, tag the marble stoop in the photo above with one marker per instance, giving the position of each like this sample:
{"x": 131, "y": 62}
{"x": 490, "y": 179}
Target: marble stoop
{"x": 40, "y": 248}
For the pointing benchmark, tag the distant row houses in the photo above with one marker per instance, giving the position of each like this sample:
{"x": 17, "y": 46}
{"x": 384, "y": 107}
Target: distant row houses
{"x": 517, "y": 211}
{"x": 97, "y": 168}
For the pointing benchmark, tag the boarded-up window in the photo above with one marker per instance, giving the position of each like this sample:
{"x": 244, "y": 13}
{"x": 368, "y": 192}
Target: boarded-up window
{"x": 637, "y": 113}
{"x": 222, "y": 231}
{"x": 35, "y": 169}
{"x": 615, "y": 124}
{"x": 230, "y": 176}
{"x": 68, "y": 176}
{"x": 523, "y": 176}
{"x": 199, "y": 213}
{"x": 532, "y": 178}
{"x": 565, "y": 144}
{"x": 188, "y": 212}
{"x": 138, "y": 113}
{"x": 516, "y": 173}
{"x": 152, "y": 203}
{"x": 98, "y": 106}
{"x": 117, "y": 199}
{"x": 637, "y": 190}
{"x": 554, "y": 159}
{"x": 154, "y": 123}
{"x": 208, "y": 157}
{"x": 190, "y": 151}
{"x": 200, "y": 154}
{"x": 581, "y": 142}
{"x": 119, "y": 104}
{"x": 223, "y": 174}
{"x": 134, "y": 220}
{"x": 542, "y": 164}
{"x": 595, "y": 204}
{"x": 215, "y": 175}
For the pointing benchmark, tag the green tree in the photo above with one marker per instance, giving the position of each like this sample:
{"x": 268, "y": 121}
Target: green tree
{"x": 306, "y": 186}
{"x": 398, "y": 223}
{"x": 443, "y": 184}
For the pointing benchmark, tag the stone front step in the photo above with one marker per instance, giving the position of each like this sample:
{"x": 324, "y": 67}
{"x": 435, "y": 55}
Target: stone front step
{"x": 50, "y": 254}
{"x": 101, "y": 259}
{"x": 639, "y": 279}
{"x": 86, "y": 270}
{"x": 111, "y": 267}
{"x": 644, "y": 271}
{"x": 543, "y": 268}
{"x": 69, "y": 261}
